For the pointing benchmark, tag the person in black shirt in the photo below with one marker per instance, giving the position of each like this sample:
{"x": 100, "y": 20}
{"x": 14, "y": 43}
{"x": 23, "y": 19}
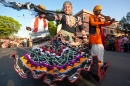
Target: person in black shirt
{"x": 68, "y": 21}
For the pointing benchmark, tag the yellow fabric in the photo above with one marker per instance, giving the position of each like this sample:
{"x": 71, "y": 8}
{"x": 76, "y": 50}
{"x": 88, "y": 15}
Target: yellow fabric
{"x": 98, "y": 7}
{"x": 28, "y": 65}
{"x": 42, "y": 7}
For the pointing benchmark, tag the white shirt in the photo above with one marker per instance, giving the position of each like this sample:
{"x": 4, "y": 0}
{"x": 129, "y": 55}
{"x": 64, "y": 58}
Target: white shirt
{"x": 40, "y": 25}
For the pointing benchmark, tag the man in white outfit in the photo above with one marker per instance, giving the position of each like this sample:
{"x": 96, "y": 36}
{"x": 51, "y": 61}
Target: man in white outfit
{"x": 39, "y": 24}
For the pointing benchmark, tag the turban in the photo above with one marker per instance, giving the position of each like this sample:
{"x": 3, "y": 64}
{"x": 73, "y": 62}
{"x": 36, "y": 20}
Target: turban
{"x": 98, "y": 7}
{"x": 41, "y": 7}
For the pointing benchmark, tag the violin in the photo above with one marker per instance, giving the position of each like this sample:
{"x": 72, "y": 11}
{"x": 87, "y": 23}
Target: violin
{"x": 107, "y": 18}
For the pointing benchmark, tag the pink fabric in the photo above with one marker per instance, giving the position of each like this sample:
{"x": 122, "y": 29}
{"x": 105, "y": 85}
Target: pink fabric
{"x": 120, "y": 43}
{"x": 5, "y": 44}
{"x": 103, "y": 38}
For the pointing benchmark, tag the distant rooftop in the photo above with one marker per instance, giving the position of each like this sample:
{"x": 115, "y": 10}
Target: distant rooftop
{"x": 83, "y": 10}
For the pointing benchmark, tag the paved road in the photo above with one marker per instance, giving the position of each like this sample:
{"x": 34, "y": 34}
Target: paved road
{"x": 118, "y": 72}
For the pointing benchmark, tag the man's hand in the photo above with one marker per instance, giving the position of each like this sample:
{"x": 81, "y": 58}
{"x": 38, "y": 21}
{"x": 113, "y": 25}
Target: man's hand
{"x": 113, "y": 20}
{"x": 85, "y": 41}
{"x": 107, "y": 18}
{"x": 28, "y": 28}
{"x": 83, "y": 33}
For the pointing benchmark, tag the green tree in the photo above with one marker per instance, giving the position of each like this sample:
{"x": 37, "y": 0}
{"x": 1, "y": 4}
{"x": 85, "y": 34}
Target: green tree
{"x": 52, "y": 28}
{"x": 124, "y": 25}
{"x": 8, "y": 26}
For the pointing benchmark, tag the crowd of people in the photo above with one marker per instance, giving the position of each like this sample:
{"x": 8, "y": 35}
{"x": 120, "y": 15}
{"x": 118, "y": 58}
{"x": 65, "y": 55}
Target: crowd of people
{"x": 117, "y": 43}
{"x": 112, "y": 43}
{"x": 10, "y": 43}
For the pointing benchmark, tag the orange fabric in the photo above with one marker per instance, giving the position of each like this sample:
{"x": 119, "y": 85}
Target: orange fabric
{"x": 36, "y": 24}
{"x": 96, "y": 38}
{"x": 62, "y": 70}
{"x": 69, "y": 67}
{"x": 116, "y": 44}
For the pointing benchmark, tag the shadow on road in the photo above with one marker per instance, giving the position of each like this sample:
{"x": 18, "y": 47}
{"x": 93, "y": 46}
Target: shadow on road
{"x": 8, "y": 77}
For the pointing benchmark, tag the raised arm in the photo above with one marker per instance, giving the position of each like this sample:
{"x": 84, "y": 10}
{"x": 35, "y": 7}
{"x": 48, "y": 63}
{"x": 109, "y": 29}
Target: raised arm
{"x": 94, "y": 23}
{"x": 80, "y": 26}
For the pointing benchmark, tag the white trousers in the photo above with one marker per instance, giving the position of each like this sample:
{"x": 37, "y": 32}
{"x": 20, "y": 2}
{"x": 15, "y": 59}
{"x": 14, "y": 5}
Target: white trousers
{"x": 98, "y": 49}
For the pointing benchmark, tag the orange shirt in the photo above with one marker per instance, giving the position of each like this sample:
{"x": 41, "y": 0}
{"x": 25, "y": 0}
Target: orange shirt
{"x": 96, "y": 38}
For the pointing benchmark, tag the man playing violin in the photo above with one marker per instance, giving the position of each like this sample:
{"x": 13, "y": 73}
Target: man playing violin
{"x": 95, "y": 38}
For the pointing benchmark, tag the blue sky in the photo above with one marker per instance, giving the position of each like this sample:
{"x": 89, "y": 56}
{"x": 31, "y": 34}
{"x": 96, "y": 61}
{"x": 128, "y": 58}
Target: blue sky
{"x": 114, "y": 8}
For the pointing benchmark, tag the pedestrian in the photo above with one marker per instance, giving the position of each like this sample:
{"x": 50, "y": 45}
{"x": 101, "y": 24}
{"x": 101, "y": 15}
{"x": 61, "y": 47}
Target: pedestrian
{"x": 95, "y": 32}
{"x": 111, "y": 43}
{"x": 125, "y": 43}
{"x": 121, "y": 44}
{"x": 116, "y": 44}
